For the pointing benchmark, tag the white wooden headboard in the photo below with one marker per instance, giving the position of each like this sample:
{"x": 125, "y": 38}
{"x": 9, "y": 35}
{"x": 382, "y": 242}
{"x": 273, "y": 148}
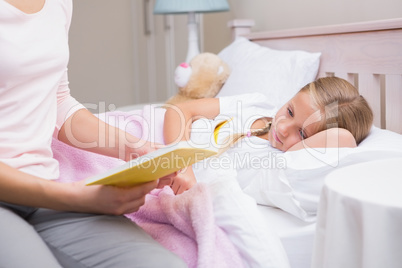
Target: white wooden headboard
{"x": 368, "y": 54}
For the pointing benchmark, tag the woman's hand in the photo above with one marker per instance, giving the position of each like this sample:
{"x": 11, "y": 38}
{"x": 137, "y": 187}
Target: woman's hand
{"x": 24, "y": 189}
{"x": 109, "y": 199}
{"x": 139, "y": 148}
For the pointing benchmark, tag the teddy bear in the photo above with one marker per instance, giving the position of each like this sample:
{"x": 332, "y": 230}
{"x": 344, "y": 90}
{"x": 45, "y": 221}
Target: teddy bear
{"x": 203, "y": 77}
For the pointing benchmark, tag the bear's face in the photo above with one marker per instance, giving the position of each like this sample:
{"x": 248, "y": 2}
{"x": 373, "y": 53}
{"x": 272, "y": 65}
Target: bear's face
{"x": 203, "y": 77}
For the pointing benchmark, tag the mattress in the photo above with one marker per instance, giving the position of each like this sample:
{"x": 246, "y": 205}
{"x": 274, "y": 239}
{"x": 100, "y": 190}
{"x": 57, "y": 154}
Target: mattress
{"x": 296, "y": 235}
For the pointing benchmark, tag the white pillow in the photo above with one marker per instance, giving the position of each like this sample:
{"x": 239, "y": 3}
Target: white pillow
{"x": 296, "y": 189}
{"x": 279, "y": 74}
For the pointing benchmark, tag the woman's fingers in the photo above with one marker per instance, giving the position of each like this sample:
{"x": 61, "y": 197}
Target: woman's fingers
{"x": 115, "y": 200}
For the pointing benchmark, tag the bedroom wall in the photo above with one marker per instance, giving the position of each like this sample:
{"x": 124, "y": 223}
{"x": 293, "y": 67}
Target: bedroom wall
{"x": 101, "y": 57}
{"x": 109, "y": 52}
{"x": 285, "y": 14}
{"x": 101, "y": 36}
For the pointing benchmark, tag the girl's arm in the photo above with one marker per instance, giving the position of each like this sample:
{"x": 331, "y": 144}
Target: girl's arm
{"x": 177, "y": 127}
{"x": 178, "y": 118}
{"x": 330, "y": 138}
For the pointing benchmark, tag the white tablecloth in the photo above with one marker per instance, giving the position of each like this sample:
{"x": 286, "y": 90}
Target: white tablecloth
{"x": 360, "y": 217}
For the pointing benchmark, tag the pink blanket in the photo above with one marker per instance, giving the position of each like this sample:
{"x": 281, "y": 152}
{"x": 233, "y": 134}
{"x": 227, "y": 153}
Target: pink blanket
{"x": 185, "y": 223}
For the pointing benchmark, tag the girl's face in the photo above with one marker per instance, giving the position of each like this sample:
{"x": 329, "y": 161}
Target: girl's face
{"x": 294, "y": 122}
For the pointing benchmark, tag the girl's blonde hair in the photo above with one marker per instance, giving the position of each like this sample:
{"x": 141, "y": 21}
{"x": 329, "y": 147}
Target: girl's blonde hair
{"x": 340, "y": 105}
{"x": 233, "y": 139}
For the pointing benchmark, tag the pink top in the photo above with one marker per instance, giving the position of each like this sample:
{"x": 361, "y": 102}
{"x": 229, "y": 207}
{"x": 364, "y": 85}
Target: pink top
{"x": 34, "y": 94}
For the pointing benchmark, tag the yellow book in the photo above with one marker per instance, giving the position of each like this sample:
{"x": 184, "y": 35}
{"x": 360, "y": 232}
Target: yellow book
{"x": 154, "y": 165}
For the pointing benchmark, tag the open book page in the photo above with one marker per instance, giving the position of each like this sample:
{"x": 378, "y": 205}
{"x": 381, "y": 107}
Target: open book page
{"x": 154, "y": 165}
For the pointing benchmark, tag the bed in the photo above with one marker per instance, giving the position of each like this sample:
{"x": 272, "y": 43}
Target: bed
{"x": 368, "y": 54}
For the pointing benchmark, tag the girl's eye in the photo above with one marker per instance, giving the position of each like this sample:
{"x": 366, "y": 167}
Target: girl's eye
{"x": 302, "y": 134}
{"x": 290, "y": 112}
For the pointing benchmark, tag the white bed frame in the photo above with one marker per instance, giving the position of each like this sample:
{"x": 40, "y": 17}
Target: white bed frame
{"x": 367, "y": 54}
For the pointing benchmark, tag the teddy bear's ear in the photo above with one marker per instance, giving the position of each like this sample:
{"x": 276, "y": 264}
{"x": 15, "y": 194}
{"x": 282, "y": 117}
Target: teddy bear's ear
{"x": 182, "y": 74}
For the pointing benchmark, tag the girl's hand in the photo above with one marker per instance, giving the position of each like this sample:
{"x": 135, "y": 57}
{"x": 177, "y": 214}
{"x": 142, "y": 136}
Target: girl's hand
{"x": 179, "y": 181}
{"x": 329, "y": 138}
{"x": 183, "y": 181}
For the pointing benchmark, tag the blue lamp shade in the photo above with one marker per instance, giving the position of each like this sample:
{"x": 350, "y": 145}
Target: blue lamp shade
{"x": 185, "y": 6}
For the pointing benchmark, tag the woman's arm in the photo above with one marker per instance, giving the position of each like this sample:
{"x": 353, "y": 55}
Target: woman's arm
{"x": 330, "y": 138}
{"x": 23, "y": 189}
{"x": 85, "y": 131}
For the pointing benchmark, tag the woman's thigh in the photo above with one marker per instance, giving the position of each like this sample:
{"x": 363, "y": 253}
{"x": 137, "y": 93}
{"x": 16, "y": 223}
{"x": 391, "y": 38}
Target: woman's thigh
{"x": 20, "y": 244}
{"x": 90, "y": 240}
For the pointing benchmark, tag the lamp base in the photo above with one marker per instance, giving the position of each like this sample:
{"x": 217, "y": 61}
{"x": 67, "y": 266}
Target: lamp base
{"x": 193, "y": 49}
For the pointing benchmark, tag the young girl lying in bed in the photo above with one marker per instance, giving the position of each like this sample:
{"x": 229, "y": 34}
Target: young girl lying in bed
{"x": 328, "y": 112}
